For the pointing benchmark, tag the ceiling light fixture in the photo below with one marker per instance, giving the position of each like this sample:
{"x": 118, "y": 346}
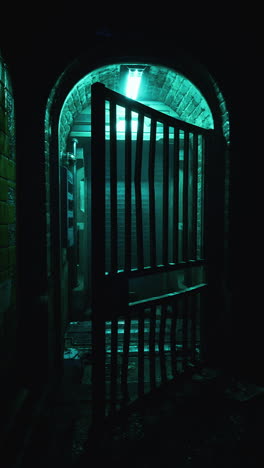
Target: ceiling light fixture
{"x": 133, "y": 82}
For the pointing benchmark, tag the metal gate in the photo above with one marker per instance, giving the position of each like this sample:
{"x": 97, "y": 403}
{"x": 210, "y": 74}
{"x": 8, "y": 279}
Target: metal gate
{"x": 148, "y": 266}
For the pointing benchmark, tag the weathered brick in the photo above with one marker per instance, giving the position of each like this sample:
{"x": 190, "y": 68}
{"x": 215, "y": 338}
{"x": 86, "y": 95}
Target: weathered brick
{"x": 11, "y": 235}
{"x": 70, "y": 103}
{"x": 196, "y": 113}
{"x": 68, "y": 116}
{"x": 3, "y": 120}
{"x": 2, "y": 142}
{"x": 12, "y": 256}
{"x": 4, "y": 275}
{"x": 11, "y": 170}
{"x": 207, "y": 121}
{"x": 4, "y": 259}
{"x": 3, "y": 213}
{"x": 3, "y": 189}
{"x": 3, "y": 235}
{"x": 2, "y": 94}
{"x": 11, "y": 216}
{"x": 82, "y": 96}
{"x": 3, "y": 166}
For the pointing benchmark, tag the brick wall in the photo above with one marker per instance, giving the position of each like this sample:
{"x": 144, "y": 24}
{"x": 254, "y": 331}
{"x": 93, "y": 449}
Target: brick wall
{"x": 162, "y": 84}
{"x": 7, "y": 208}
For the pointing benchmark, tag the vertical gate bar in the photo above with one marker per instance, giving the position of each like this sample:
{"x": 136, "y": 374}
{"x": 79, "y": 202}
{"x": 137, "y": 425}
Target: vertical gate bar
{"x": 138, "y": 196}
{"x": 128, "y": 174}
{"x": 162, "y": 331}
{"x": 185, "y": 318}
{"x": 193, "y": 318}
{"x": 202, "y": 202}
{"x": 141, "y": 339}
{"x": 113, "y": 373}
{"x": 151, "y": 175}
{"x": 98, "y": 254}
{"x": 202, "y": 325}
{"x": 194, "y": 196}
{"x": 113, "y": 187}
{"x": 124, "y": 370}
{"x": 185, "y": 249}
{"x": 173, "y": 340}
{"x": 152, "y": 347}
{"x": 199, "y": 325}
{"x": 176, "y": 168}
{"x": 165, "y": 210}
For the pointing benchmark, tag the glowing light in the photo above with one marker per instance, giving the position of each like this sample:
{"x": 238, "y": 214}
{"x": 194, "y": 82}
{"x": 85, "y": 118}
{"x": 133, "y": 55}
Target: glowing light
{"x": 133, "y": 82}
{"x": 121, "y": 125}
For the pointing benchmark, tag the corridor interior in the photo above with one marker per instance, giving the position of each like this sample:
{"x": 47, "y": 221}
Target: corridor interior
{"x": 76, "y": 221}
{"x": 193, "y": 415}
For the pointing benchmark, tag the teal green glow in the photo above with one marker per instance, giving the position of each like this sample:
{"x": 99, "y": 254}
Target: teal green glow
{"x": 160, "y": 88}
{"x": 133, "y": 83}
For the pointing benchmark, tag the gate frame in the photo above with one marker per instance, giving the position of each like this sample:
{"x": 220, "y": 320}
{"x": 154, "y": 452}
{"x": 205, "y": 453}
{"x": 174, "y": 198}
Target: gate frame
{"x": 199, "y": 76}
{"x": 212, "y": 234}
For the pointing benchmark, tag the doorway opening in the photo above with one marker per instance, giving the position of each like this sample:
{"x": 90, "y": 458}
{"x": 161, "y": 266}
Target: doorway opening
{"x": 160, "y": 88}
{"x": 122, "y": 281}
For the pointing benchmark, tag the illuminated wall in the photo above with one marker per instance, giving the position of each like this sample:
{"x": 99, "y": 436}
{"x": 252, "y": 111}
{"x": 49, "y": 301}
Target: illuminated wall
{"x": 162, "y": 88}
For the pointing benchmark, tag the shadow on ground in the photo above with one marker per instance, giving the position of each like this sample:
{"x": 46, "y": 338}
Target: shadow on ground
{"x": 205, "y": 421}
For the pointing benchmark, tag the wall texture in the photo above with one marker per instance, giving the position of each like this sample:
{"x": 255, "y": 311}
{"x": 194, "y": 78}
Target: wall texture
{"x": 160, "y": 84}
{"x": 7, "y": 212}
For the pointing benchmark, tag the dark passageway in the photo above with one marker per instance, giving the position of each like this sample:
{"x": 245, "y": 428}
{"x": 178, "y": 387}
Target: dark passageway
{"x": 130, "y": 326}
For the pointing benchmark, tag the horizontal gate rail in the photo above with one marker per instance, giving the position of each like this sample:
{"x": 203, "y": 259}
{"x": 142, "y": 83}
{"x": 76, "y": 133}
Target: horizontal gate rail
{"x": 135, "y": 272}
{"x": 167, "y": 341}
{"x": 167, "y": 297}
{"x": 138, "y": 107}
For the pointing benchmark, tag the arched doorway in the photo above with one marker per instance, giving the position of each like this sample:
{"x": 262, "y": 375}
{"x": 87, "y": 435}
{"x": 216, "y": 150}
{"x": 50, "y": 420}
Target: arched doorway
{"x": 183, "y": 112}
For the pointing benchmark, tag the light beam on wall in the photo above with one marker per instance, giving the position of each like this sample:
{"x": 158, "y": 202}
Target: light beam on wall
{"x": 133, "y": 82}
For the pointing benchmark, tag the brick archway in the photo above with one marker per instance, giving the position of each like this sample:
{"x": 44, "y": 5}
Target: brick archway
{"x": 70, "y": 96}
{"x": 162, "y": 87}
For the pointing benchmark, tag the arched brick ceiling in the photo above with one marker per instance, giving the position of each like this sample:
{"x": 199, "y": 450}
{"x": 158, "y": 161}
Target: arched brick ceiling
{"x": 161, "y": 88}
